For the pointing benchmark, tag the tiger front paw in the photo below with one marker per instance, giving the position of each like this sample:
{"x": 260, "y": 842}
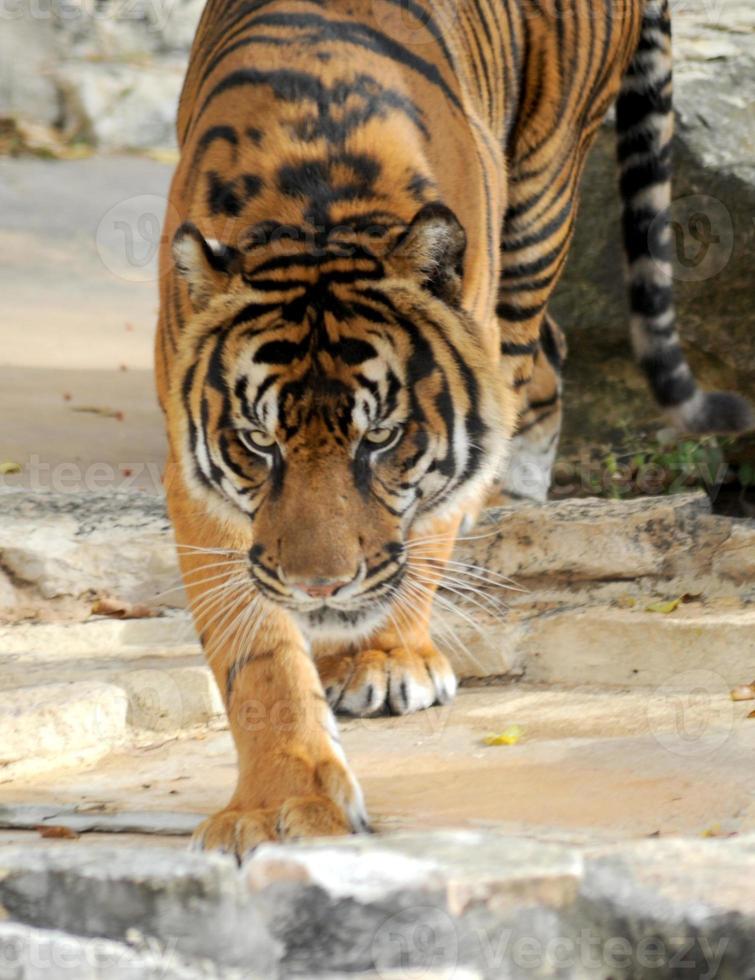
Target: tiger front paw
{"x": 398, "y": 681}
{"x": 332, "y": 807}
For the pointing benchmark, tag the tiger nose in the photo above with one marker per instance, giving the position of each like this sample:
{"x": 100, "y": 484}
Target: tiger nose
{"x": 320, "y": 588}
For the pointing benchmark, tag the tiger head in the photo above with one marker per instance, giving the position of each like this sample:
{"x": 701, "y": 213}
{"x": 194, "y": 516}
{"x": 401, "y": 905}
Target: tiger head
{"x": 331, "y": 402}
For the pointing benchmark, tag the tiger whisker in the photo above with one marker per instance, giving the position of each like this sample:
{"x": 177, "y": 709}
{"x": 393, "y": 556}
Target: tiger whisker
{"x": 214, "y": 598}
{"x": 196, "y": 583}
{"x": 472, "y": 571}
{"x": 413, "y": 588}
{"x": 451, "y": 537}
{"x": 468, "y": 594}
{"x": 445, "y": 601}
{"x": 239, "y": 604}
{"x": 209, "y": 551}
{"x": 468, "y": 591}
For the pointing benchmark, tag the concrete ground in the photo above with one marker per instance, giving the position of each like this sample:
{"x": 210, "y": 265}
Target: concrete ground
{"x": 78, "y": 306}
{"x": 628, "y": 727}
{"x": 592, "y": 766}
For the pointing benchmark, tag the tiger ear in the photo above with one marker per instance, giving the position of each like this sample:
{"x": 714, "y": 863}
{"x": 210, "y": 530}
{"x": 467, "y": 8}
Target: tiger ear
{"x": 432, "y": 249}
{"x": 206, "y": 265}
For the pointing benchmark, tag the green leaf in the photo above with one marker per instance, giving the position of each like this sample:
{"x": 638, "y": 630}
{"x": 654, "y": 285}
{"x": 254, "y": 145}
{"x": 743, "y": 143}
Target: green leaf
{"x": 664, "y": 606}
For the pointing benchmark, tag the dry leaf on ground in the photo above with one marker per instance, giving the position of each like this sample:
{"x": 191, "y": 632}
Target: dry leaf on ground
{"x": 119, "y": 609}
{"x": 509, "y": 736}
{"x": 109, "y": 413}
{"x": 8, "y": 466}
{"x": 744, "y": 692}
{"x": 664, "y": 606}
{"x": 53, "y": 830}
{"x": 717, "y": 831}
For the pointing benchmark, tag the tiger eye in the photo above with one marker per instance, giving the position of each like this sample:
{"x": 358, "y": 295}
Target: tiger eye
{"x": 256, "y": 439}
{"x": 379, "y": 437}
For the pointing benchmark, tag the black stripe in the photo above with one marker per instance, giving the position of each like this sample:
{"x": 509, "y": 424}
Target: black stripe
{"x": 510, "y": 349}
{"x": 518, "y": 314}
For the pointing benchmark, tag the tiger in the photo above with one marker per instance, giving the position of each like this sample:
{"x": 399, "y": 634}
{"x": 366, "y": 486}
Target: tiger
{"x": 373, "y": 203}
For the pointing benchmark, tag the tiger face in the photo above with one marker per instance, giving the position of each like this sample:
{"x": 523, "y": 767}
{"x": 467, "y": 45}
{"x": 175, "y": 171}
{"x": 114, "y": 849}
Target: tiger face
{"x": 332, "y": 404}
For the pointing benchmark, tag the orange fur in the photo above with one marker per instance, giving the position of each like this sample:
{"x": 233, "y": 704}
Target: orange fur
{"x": 360, "y": 110}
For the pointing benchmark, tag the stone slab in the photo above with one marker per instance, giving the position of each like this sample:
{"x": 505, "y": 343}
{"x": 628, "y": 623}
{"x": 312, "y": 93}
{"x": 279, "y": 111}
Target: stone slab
{"x": 148, "y": 822}
{"x": 638, "y": 648}
{"x": 65, "y": 543}
{"x": 592, "y": 765}
{"x": 27, "y": 953}
{"x": 57, "y": 724}
{"x": 489, "y": 905}
{"x": 194, "y": 901}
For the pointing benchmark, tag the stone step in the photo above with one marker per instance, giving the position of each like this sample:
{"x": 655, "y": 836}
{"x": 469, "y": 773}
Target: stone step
{"x": 591, "y": 765}
{"x": 36, "y": 954}
{"x": 586, "y": 570}
{"x": 494, "y": 906}
{"x": 62, "y": 545}
{"x": 57, "y": 725}
{"x": 48, "y": 727}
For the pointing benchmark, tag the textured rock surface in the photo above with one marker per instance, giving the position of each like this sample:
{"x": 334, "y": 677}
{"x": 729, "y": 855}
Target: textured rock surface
{"x": 28, "y": 53}
{"x": 27, "y": 953}
{"x": 495, "y": 907}
{"x": 583, "y": 573}
{"x": 57, "y": 724}
{"x": 116, "y": 105}
{"x": 30, "y": 816}
{"x": 107, "y": 73}
{"x": 196, "y": 903}
{"x": 595, "y": 540}
{"x": 640, "y": 649}
{"x": 65, "y": 544}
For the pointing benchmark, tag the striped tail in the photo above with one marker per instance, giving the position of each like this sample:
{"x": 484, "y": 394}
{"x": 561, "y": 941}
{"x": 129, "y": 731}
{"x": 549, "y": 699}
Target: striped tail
{"x": 645, "y": 123}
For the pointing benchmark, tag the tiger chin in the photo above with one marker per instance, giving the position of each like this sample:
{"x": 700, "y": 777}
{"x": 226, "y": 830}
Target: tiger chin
{"x": 366, "y": 225}
{"x": 330, "y": 422}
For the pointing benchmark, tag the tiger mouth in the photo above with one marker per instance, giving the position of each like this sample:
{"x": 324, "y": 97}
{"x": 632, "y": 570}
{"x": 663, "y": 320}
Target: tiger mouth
{"x": 344, "y": 625}
{"x": 320, "y": 613}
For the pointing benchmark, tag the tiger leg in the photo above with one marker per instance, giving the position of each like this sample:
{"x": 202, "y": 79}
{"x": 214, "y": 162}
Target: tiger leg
{"x": 399, "y": 669}
{"x": 536, "y": 237}
{"x": 535, "y": 442}
{"x": 293, "y": 778}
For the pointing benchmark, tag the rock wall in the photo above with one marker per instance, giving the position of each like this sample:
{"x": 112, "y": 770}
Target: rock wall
{"x": 104, "y": 73}
{"x": 568, "y": 592}
{"x": 442, "y": 906}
